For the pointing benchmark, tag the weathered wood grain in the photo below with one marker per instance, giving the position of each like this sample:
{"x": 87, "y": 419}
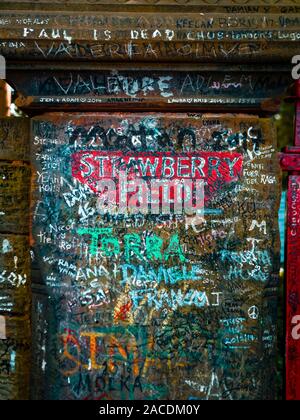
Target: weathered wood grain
{"x": 14, "y": 144}
{"x": 14, "y": 197}
{"x": 207, "y": 87}
{"x": 15, "y": 358}
{"x": 15, "y": 292}
{"x": 178, "y": 3}
{"x": 148, "y": 36}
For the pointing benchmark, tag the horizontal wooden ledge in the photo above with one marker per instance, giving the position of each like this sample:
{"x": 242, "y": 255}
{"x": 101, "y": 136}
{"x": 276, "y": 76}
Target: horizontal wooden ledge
{"x": 159, "y": 2}
{"x": 149, "y": 37}
{"x": 150, "y": 88}
{"x": 200, "y": 52}
{"x": 14, "y": 38}
{"x": 36, "y": 110}
{"x": 246, "y": 6}
{"x": 29, "y": 66}
{"x": 194, "y": 106}
{"x": 142, "y": 25}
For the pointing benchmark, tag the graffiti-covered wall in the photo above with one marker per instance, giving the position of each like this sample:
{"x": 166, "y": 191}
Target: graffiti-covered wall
{"x": 157, "y": 245}
{"x": 15, "y": 286}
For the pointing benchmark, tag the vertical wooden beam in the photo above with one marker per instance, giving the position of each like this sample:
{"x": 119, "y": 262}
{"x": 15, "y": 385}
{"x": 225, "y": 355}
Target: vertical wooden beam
{"x": 5, "y": 99}
{"x": 293, "y": 289}
{"x": 15, "y": 291}
{"x": 290, "y": 161}
{"x": 297, "y": 120}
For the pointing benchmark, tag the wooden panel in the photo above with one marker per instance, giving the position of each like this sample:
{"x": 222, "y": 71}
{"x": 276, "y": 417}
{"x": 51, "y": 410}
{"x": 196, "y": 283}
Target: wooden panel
{"x": 229, "y": 5}
{"x": 14, "y": 197}
{"x": 14, "y": 274}
{"x": 41, "y": 318}
{"x": 174, "y": 305}
{"x": 189, "y": 87}
{"x": 265, "y": 35}
{"x": 15, "y": 295}
{"x": 15, "y": 358}
{"x": 293, "y": 290}
{"x": 14, "y": 144}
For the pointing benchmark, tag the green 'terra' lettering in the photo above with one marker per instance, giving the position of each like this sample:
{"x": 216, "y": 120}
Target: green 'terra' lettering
{"x": 151, "y": 248}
